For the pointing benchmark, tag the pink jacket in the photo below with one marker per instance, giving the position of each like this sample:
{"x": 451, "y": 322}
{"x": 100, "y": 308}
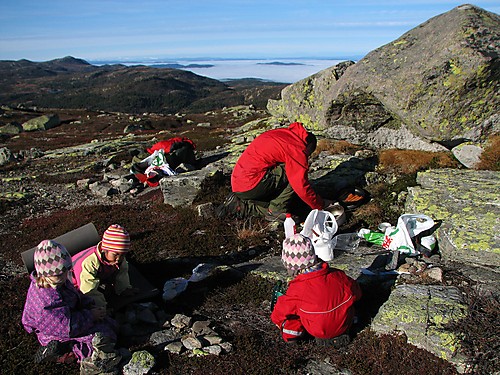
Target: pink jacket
{"x": 91, "y": 270}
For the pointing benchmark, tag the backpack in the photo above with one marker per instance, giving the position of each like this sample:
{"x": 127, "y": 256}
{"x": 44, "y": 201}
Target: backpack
{"x": 320, "y": 226}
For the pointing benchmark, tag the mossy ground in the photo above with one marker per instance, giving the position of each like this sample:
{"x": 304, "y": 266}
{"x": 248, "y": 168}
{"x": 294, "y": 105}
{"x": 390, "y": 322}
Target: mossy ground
{"x": 168, "y": 243}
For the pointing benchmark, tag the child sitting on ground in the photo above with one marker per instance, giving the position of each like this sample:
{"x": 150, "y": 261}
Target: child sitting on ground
{"x": 102, "y": 270}
{"x": 67, "y": 324}
{"x": 319, "y": 300}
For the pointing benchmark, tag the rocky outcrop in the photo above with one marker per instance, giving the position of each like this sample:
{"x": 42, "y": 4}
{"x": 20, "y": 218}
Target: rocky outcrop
{"x": 467, "y": 203}
{"x": 438, "y": 82}
{"x": 421, "y": 312}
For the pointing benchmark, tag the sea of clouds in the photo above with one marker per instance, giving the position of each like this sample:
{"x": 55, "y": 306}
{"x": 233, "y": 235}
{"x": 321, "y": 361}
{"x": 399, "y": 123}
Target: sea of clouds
{"x": 277, "y": 70}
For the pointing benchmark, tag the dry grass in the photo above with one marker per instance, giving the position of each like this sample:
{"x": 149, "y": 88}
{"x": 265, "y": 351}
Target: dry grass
{"x": 412, "y": 161}
{"x": 490, "y": 158}
{"x": 335, "y": 147}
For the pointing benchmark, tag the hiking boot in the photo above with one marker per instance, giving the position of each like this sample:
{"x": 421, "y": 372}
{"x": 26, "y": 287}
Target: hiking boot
{"x": 337, "y": 342}
{"x": 231, "y": 207}
{"x": 277, "y": 216}
{"x": 48, "y": 353}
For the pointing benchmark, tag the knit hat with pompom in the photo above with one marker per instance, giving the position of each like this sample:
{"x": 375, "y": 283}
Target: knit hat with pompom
{"x": 115, "y": 239}
{"x": 51, "y": 259}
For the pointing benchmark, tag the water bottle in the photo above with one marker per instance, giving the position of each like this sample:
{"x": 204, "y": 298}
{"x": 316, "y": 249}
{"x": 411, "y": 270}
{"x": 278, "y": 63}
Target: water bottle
{"x": 289, "y": 226}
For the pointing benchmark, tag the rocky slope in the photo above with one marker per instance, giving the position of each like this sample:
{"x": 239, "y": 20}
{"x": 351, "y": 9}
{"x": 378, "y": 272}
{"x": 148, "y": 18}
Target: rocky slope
{"x": 436, "y": 85}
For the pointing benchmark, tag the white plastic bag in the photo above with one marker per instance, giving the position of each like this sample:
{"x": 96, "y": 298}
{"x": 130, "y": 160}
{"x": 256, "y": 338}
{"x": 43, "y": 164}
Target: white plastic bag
{"x": 408, "y": 226}
{"x": 320, "y": 226}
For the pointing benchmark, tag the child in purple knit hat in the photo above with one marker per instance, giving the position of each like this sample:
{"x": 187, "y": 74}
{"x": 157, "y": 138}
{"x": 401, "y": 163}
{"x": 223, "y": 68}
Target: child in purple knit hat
{"x": 67, "y": 324}
{"x": 319, "y": 300}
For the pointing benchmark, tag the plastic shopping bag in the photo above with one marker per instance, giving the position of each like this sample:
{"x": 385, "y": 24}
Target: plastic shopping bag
{"x": 320, "y": 226}
{"x": 408, "y": 226}
{"x": 401, "y": 237}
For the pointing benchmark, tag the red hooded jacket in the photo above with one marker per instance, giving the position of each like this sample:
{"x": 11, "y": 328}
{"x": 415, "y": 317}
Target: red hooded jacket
{"x": 322, "y": 299}
{"x": 286, "y": 145}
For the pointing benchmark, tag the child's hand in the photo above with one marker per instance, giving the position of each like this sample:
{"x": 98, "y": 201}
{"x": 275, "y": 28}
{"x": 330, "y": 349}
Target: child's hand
{"x": 130, "y": 292}
{"x": 98, "y": 313}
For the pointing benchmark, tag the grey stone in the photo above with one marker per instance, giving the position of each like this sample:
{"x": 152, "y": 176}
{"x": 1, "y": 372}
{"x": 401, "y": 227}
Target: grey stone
{"x": 212, "y": 339}
{"x": 164, "y": 337}
{"x": 202, "y": 327}
{"x": 434, "y": 273}
{"x": 6, "y": 156}
{"x": 102, "y": 189}
{"x": 226, "y": 346}
{"x": 422, "y": 312}
{"x": 44, "y": 122}
{"x": 314, "y": 367}
{"x": 191, "y": 342}
{"x": 180, "y": 190}
{"x": 213, "y": 349}
{"x": 174, "y": 347}
{"x": 11, "y": 129}
{"x": 140, "y": 363}
{"x": 181, "y": 321}
{"x": 469, "y": 154}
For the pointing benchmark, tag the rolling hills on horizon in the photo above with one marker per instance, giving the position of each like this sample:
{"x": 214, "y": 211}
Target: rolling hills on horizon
{"x": 74, "y": 83}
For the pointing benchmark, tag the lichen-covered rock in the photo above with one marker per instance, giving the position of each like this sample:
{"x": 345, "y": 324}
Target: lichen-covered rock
{"x": 44, "y": 122}
{"x": 422, "y": 312}
{"x": 140, "y": 363}
{"x": 440, "y": 81}
{"x": 11, "y": 129}
{"x": 467, "y": 202}
{"x": 180, "y": 190}
{"x": 303, "y": 101}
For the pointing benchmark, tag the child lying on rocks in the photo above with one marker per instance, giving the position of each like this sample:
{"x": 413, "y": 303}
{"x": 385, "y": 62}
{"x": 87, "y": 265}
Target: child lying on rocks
{"x": 319, "y": 300}
{"x": 68, "y": 325}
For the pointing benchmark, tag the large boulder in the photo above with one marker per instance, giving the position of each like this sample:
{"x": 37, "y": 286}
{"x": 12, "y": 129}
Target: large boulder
{"x": 439, "y": 82}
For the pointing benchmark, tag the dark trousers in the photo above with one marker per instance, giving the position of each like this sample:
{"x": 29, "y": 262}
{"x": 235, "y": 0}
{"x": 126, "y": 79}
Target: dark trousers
{"x": 272, "y": 193}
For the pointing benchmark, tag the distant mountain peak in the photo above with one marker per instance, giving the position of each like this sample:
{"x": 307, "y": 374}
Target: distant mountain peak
{"x": 69, "y": 60}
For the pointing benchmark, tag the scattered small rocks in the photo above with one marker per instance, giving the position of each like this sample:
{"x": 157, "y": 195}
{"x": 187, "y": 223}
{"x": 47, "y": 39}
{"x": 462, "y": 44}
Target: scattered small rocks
{"x": 415, "y": 271}
{"x": 181, "y": 334}
{"x": 193, "y": 337}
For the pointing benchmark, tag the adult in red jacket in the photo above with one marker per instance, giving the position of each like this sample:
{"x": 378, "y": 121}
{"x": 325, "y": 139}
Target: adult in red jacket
{"x": 271, "y": 170}
{"x": 319, "y": 300}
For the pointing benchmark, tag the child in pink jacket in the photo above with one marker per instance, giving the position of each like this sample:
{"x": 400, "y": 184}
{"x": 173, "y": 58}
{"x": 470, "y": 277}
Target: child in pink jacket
{"x": 319, "y": 300}
{"x": 102, "y": 270}
{"x": 66, "y": 323}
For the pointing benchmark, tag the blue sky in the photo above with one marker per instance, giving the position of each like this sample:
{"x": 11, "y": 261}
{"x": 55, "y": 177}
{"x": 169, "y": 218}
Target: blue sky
{"x": 170, "y": 29}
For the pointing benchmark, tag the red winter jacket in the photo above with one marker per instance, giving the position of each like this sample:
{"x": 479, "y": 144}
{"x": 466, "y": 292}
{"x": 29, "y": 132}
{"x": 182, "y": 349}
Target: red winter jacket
{"x": 322, "y": 299}
{"x": 167, "y": 144}
{"x": 286, "y": 145}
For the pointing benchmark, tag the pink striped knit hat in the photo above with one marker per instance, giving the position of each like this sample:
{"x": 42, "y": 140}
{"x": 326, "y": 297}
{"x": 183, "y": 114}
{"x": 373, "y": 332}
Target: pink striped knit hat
{"x": 298, "y": 253}
{"x": 51, "y": 259}
{"x": 115, "y": 239}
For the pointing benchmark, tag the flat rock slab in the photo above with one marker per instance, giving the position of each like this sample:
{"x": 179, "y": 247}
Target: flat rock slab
{"x": 468, "y": 203}
{"x": 421, "y": 312}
